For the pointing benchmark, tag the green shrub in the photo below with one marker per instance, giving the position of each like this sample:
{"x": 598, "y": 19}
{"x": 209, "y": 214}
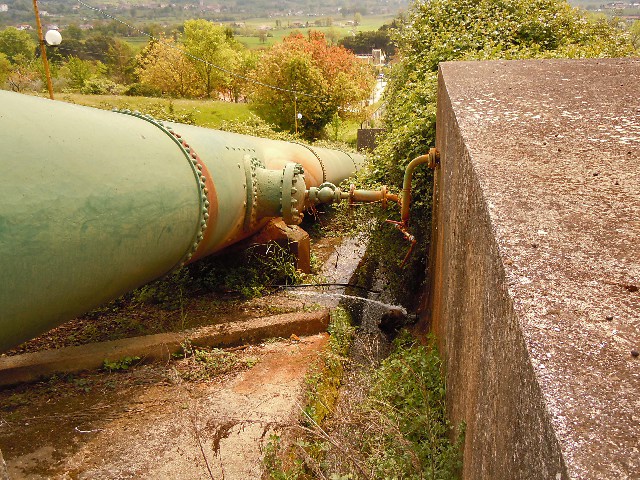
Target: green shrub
{"x": 249, "y": 273}
{"x": 142, "y": 90}
{"x": 101, "y": 86}
{"x": 409, "y": 435}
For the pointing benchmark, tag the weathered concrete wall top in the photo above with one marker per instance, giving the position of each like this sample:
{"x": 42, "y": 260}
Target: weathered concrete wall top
{"x": 537, "y": 239}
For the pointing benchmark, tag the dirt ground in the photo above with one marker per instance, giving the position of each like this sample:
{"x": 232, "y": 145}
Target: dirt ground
{"x": 148, "y": 422}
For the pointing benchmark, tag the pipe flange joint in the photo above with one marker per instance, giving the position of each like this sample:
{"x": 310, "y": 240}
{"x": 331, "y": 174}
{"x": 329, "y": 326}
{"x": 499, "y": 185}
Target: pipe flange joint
{"x": 292, "y": 193}
{"x": 201, "y": 181}
{"x": 251, "y": 167}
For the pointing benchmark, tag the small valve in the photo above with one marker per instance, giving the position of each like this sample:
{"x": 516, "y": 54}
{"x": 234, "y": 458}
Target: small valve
{"x": 325, "y": 193}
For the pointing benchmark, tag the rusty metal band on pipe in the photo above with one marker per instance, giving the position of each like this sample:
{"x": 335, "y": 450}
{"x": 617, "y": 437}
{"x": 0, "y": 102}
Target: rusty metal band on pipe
{"x": 208, "y": 207}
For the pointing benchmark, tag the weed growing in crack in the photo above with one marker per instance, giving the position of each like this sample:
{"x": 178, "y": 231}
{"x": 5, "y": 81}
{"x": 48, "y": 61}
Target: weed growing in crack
{"x": 202, "y": 364}
{"x": 323, "y": 381}
{"x": 119, "y": 365}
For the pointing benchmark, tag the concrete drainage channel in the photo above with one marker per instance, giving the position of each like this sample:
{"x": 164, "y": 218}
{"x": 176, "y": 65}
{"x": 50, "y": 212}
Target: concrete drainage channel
{"x": 160, "y": 347}
{"x": 148, "y": 422}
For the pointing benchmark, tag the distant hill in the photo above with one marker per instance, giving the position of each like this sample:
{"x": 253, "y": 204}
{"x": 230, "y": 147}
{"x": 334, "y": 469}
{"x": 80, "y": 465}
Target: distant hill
{"x": 68, "y": 11}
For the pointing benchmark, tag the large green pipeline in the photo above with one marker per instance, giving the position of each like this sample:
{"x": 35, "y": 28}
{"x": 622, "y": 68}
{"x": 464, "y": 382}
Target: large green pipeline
{"x": 96, "y": 203}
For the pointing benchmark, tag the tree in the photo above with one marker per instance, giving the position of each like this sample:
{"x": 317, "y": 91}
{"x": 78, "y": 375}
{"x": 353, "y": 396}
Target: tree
{"x": 332, "y": 34}
{"x": 209, "y": 47}
{"x": 363, "y": 42}
{"x": 97, "y": 47}
{"x": 25, "y": 76}
{"x": 5, "y": 68}
{"x": 78, "y": 72}
{"x": 445, "y": 30}
{"x": 316, "y": 80}
{"x": 244, "y": 63}
{"x": 165, "y": 67}
{"x": 73, "y": 32}
{"x": 120, "y": 61}
{"x": 17, "y": 45}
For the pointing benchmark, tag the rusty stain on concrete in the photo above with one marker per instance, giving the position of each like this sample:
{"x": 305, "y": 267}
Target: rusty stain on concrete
{"x": 30, "y": 367}
{"x": 149, "y": 424}
{"x": 534, "y": 284}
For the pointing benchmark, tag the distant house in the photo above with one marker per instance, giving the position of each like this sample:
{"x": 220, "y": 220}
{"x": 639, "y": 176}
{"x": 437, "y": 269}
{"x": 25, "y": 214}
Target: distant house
{"x": 24, "y": 26}
{"x": 379, "y": 58}
{"x": 4, "y": 7}
{"x": 376, "y": 58}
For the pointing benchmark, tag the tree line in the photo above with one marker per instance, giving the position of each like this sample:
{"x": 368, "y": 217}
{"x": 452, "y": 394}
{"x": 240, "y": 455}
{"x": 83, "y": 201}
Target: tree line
{"x": 303, "y": 74}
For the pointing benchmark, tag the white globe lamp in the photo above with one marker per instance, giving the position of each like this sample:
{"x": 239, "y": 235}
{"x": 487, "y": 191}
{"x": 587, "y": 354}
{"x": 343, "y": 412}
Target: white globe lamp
{"x": 53, "y": 38}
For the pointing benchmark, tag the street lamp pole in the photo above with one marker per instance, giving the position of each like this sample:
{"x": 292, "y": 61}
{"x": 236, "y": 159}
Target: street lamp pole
{"x": 295, "y": 110}
{"x": 43, "y": 49}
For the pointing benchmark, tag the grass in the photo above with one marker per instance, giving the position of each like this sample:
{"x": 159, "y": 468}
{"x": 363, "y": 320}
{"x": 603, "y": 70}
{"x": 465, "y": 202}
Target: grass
{"x": 205, "y": 113}
{"x": 214, "y": 114}
{"x": 396, "y": 428}
{"x": 138, "y": 43}
{"x": 323, "y": 383}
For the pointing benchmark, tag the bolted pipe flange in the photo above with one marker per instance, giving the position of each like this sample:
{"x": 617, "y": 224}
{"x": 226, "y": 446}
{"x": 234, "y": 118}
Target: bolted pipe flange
{"x": 272, "y": 193}
{"x": 251, "y": 166}
{"x": 292, "y": 193}
{"x": 197, "y": 168}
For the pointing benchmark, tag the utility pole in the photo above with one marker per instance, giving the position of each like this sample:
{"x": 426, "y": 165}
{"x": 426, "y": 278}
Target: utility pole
{"x": 43, "y": 49}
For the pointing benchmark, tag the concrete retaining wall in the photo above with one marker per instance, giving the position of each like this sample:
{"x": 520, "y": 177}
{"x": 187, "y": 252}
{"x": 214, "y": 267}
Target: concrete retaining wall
{"x": 534, "y": 265}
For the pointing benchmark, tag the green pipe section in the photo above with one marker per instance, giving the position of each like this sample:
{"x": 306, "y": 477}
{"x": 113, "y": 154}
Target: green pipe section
{"x": 95, "y": 203}
{"x": 90, "y": 208}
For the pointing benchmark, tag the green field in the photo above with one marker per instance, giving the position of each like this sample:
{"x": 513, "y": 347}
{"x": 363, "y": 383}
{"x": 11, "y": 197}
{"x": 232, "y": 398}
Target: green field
{"x": 137, "y": 43}
{"x": 206, "y": 113}
{"x": 252, "y": 41}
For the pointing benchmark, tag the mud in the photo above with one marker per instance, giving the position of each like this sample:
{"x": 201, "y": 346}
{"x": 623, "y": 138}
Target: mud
{"x": 148, "y": 423}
